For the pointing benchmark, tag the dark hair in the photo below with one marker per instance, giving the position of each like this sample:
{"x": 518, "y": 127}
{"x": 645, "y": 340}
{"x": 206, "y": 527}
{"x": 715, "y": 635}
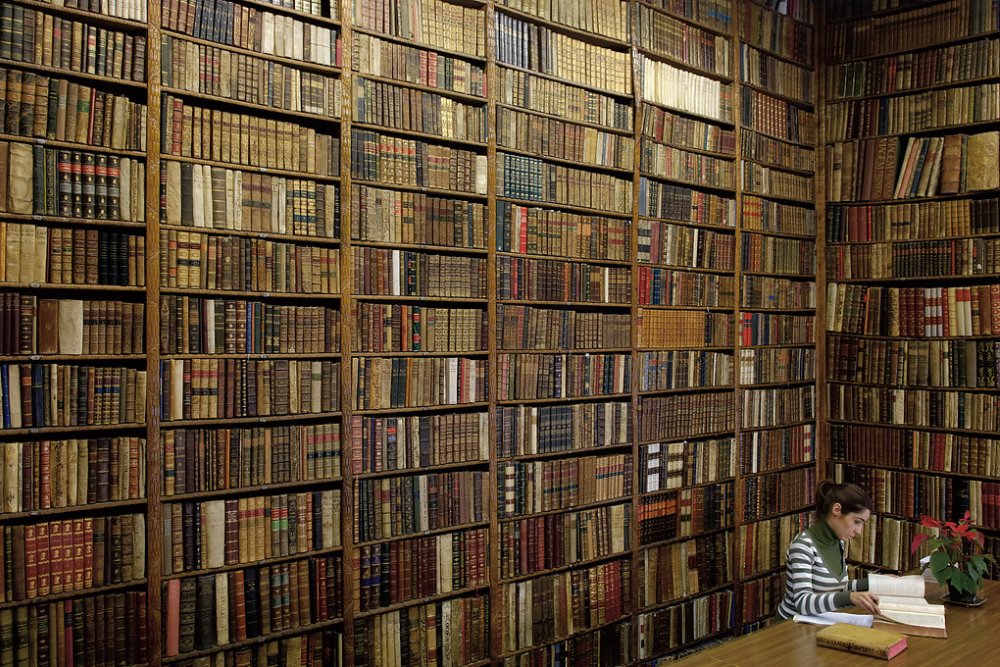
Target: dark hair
{"x": 852, "y": 498}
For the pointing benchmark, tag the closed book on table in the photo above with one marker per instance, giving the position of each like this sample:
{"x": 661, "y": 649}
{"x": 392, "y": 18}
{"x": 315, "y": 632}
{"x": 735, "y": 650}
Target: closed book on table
{"x": 862, "y": 640}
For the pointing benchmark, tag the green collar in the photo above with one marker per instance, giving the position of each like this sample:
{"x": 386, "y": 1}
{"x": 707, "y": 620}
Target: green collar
{"x": 830, "y": 548}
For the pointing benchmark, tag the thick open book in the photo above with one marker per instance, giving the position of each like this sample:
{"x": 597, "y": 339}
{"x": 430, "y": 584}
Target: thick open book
{"x": 903, "y": 608}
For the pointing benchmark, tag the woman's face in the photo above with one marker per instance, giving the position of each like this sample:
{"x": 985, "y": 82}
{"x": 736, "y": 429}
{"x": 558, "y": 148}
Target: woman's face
{"x": 847, "y": 526}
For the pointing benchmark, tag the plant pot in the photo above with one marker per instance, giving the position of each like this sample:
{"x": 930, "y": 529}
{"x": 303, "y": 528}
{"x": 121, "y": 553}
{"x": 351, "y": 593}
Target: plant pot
{"x": 960, "y": 597}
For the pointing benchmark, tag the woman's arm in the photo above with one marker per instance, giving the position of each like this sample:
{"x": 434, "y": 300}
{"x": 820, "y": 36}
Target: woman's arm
{"x": 799, "y": 571}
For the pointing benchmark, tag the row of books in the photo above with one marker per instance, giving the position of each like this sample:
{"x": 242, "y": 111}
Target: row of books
{"x": 664, "y": 127}
{"x": 761, "y": 451}
{"x": 685, "y": 91}
{"x": 667, "y": 466}
{"x": 455, "y": 631}
{"x": 401, "y": 328}
{"x": 682, "y": 42}
{"x": 392, "y": 272}
{"x": 193, "y": 325}
{"x": 537, "y": 48}
{"x": 920, "y": 312}
{"x": 909, "y": 495}
{"x": 684, "y": 569}
{"x": 554, "y": 606}
{"x": 549, "y": 137}
{"x": 685, "y": 512}
{"x": 198, "y": 132}
{"x": 774, "y": 254}
{"x": 215, "y": 71}
{"x": 252, "y": 29}
{"x": 683, "y": 246}
{"x": 125, "y": 9}
{"x": 53, "y": 41}
{"x": 314, "y": 649}
{"x": 382, "y": 444}
{"x": 50, "y": 474}
{"x": 884, "y": 540}
{"x": 939, "y": 408}
{"x": 875, "y": 169}
{"x": 914, "y": 70}
{"x": 762, "y": 148}
{"x": 765, "y": 292}
{"x": 912, "y": 448}
{"x": 381, "y": 383}
{"x": 777, "y": 118}
{"x": 228, "y": 607}
{"x": 605, "y": 646}
{"x": 777, "y": 365}
{"x": 758, "y": 329}
{"x": 770, "y": 30}
{"x": 762, "y": 70}
{"x": 35, "y": 180}
{"x": 527, "y": 328}
{"x": 663, "y": 161}
{"x": 716, "y": 14}
{"x": 759, "y": 598}
{"x": 215, "y": 533}
{"x": 603, "y": 17}
{"x": 915, "y": 259}
{"x": 673, "y": 202}
{"x": 216, "y": 198}
{"x": 556, "y": 540}
{"x": 392, "y": 160}
{"x": 539, "y": 231}
{"x": 70, "y": 555}
{"x": 193, "y": 260}
{"x": 684, "y": 329}
{"x": 684, "y": 369}
{"x": 533, "y": 487}
{"x": 392, "y": 216}
{"x": 539, "y": 376}
{"x": 772, "y": 407}
{"x": 930, "y": 110}
{"x": 553, "y": 280}
{"x": 44, "y": 107}
{"x": 198, "y": 460}
{"x": 218, "y": 388}
{"x": 524, "y": 430}
{"x": 398, "y": 506}
{"x": 432, "y": 22}
{"x": 392, "y": 573}
{"x": 530, "y": 178}
{"x": 924, "y": 363}
{"x": 776, "y": 183}
{"x": 778, "y": 492}
{"x": 555, "y": 98}
{"x": 685, "y": 415}
{"x": 912, "y": 29}
{"x": 39, "y": 395}
{"x": 403, "y": 62}
{"x": 934, "y": 219}
{"x": 29, "y": 325}
{"x": 96, "y": 630}
{"x": 666, "y": 287}
{"x": 768, "y": 216}
{"x": 399, "y": 108}
{"x": 762, "y": 545}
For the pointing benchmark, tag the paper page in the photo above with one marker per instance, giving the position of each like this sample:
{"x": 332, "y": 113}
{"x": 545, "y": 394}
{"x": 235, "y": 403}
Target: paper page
{"x": 831, "y": 617}
{"x": 884, "y": 584}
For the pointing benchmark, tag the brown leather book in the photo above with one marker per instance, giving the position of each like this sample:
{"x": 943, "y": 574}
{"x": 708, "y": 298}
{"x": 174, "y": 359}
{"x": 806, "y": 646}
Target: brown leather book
{"x": 48, "y": 326}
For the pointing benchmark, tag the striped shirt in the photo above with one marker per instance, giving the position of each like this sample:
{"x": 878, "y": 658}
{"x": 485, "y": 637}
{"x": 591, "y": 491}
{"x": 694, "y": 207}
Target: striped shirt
{"x": 810, "y": 587}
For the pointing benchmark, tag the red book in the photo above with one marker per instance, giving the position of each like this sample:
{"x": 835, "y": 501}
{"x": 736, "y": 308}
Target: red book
{"x": 56, "y": 556}
{"x": 88, "y": 553}
{"x": 79, "y": 537}
{"x": 30, "y": 561}
{"x": 173, "y": 616}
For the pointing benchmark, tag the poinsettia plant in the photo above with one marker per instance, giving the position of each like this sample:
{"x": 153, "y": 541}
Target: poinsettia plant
{"x": 957, "y": 557}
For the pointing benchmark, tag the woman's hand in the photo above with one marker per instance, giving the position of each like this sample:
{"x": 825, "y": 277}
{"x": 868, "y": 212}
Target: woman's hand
{"x": 866, "y": 601}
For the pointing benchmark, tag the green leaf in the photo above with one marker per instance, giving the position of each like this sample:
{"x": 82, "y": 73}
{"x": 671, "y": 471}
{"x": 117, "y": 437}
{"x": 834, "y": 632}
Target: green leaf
{"x": 941, "y": 566}
{"x": 962, "y": 582}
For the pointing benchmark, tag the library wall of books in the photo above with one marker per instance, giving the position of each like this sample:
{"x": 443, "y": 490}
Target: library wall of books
{"x": 479, "y": 332}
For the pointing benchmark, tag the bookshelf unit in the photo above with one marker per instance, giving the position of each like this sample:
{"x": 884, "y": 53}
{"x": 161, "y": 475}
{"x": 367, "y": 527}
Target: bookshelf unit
{"x": 905, "y": 326}
{"x": 478, "y": 332}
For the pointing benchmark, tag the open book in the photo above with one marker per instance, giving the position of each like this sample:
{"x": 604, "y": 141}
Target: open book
{"x": 903, "y": 607}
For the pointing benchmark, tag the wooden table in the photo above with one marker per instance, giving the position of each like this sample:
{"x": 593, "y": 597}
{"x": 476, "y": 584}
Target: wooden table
{"x": 973, "y": 641}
